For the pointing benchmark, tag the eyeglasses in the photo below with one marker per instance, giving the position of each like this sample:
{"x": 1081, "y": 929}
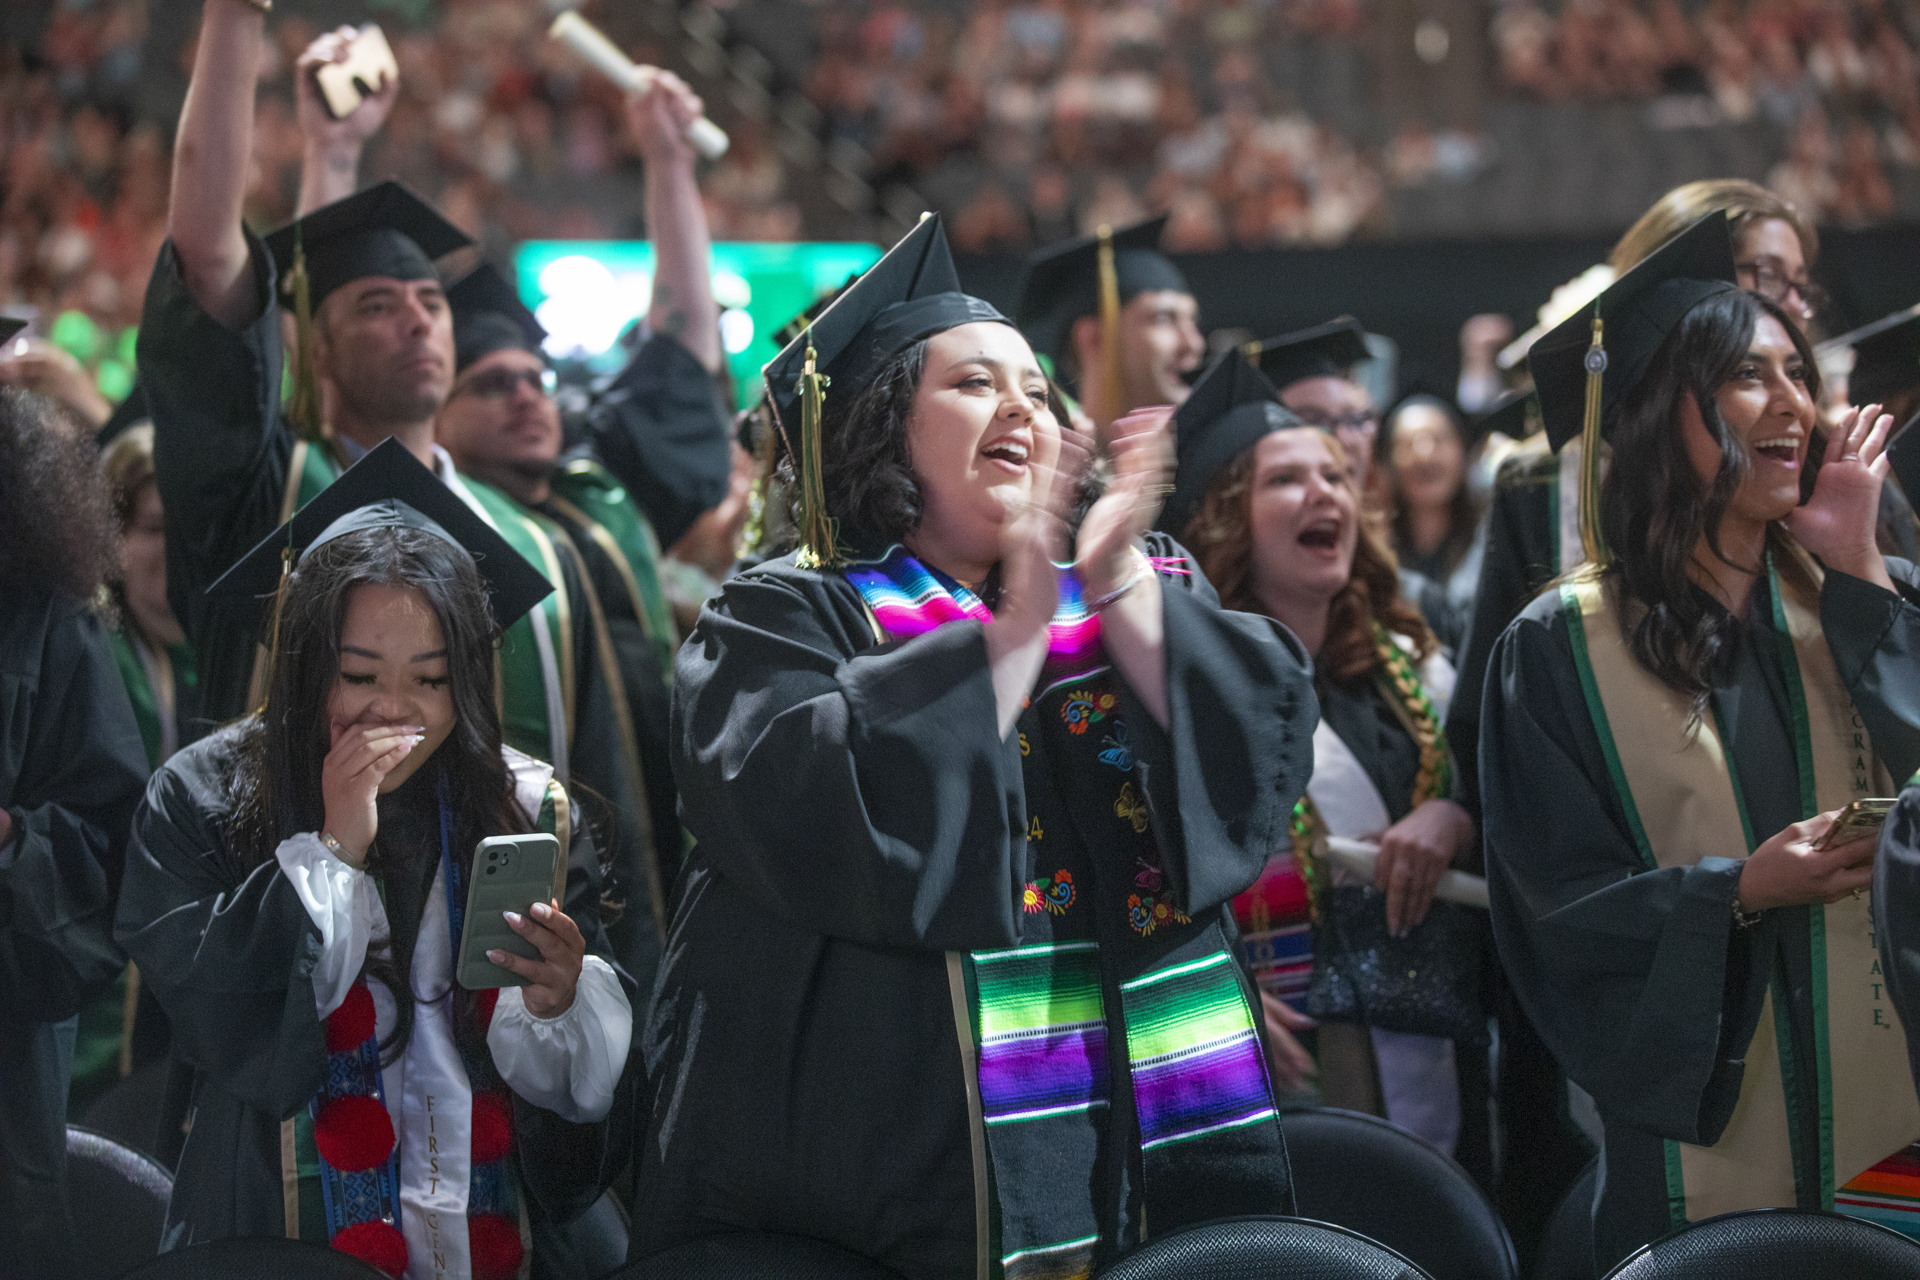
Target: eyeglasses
{"x": 1341, "y": 422}
{"x": 1771, "y": 282}
{"x": 498, "y": 384}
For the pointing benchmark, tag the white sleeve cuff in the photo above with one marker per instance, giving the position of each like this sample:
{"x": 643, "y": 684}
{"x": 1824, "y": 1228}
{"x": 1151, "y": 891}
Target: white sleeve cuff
{"x": 345, "y": 906}
{"x": 569, "y": 1064}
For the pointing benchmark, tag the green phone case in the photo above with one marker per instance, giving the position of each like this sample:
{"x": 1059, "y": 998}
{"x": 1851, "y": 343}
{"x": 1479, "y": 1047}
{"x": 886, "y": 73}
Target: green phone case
{"x": 510, "y": 873}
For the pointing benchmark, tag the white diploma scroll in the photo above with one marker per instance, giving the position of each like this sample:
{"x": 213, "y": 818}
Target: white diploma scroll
{"x": 585, "y": 39}
{"x": 1358, "y": 856}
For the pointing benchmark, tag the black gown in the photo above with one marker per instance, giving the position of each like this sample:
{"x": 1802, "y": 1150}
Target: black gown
{"x": 1637, "y": 979}
{"x": 857, "y": 816}
{"x": 231, "y": 956}
{"x": 71, "y": 768}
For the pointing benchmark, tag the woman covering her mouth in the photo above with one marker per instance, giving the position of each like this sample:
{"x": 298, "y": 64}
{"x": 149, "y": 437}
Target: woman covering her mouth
{"x": 966, "y": 820}
{"x": 1270, "y": 511}
{"x": 1667, "y": 737}
{"x": 294, "y": 892}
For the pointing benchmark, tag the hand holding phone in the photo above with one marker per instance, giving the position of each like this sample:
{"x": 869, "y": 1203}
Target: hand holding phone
{"x": 1862, "y": 818}
{"x": 511, "y": 875}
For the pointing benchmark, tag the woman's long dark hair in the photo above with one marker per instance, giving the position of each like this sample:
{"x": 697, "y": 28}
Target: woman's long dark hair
{"x": 277, "y": 772}
{"x": 1653, "y": 508}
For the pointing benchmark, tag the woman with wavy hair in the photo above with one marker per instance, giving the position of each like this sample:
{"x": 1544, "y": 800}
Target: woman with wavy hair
{"x": 71, "y": 767}
{"x": 947, "y": 984}
{"x": 1668, "y": 737}
{"x": 295, "y": 893}
{"x": 1270, "y": 511}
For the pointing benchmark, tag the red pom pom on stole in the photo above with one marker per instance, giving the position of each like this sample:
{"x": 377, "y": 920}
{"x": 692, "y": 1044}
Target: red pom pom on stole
{"x": 494, "y": 1245}
{"x": 349, "y": 1026}
{"x": 378, "y": 1244}
{"x": 354, "y": 1134}
{"x": 492, "y": 1128}
{"x": 483, "y": 1004}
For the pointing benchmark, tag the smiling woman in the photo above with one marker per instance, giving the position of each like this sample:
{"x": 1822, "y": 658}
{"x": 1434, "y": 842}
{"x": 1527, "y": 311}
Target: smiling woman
{"x": 947, "y": 983}
{"x": 1668, "y": 736}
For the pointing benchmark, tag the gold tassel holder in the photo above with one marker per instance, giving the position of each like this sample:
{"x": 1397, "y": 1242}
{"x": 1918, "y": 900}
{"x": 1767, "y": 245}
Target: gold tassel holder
{"x": 303, "y": 410}
{"x": 1110, "y": 392}
{"x": 1592, "y": 541}
{"x": 819, "y": 532}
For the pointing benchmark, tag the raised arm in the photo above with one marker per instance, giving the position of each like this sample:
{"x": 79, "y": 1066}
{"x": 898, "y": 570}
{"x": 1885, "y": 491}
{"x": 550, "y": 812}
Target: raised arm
{"x": 683, "y": 303}
{"x": 330, "y": 158}
{"x": 212, "y": 154}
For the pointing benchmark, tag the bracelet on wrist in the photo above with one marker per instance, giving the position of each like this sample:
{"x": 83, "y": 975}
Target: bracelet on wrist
{"x": 1099, "y": 602}
{"x": 1745, "y": 919}
{"x": 259, "y": 6}
{"x": 339, "y": 851}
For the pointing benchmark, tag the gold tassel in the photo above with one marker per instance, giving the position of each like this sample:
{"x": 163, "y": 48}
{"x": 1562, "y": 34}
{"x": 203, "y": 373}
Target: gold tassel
{"x": 1109, "y": 326}
{"x": 262, "y": 682}
{"x": 1592, "y": 541}
{"x": 1253, "y": 350}
{"x": 819, "y": 532}
{"x": 303, "y": 411}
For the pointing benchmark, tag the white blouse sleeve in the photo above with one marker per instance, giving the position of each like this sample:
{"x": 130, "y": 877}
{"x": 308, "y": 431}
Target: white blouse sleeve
{"x": 345, "y": 906}
{"x": 569, "y": 1064}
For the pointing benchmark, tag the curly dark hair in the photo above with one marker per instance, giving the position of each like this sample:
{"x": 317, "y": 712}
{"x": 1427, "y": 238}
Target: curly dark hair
{"x": 1220, "y": 538}
{"x": 277, "y": 774}
{"x": 1653, "y": 508}
{"x": 866, "y": 466}
{"x": 56, "y": 524}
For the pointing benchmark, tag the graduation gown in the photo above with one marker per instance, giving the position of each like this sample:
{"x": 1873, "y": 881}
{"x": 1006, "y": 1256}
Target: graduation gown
{"x": 236, "y": 960}
{"x": 71, "y": 767}
{"x": 860, "y": 826}
{"x": 1637, "y": 978}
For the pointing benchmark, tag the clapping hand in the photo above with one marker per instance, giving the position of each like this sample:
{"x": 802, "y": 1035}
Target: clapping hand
{"x": 1142, "y": 445}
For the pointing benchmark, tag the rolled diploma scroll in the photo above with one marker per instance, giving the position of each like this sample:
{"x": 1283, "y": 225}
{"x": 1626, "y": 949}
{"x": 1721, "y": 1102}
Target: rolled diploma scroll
{"x": 585, "y": 39}
{"x": 1358, "y": 856}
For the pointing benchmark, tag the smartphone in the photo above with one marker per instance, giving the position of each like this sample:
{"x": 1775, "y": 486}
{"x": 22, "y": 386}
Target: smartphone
{"x": 510, "y": 873}
{"x": 369, "y": 64}
{"x": 1861, "y": 818}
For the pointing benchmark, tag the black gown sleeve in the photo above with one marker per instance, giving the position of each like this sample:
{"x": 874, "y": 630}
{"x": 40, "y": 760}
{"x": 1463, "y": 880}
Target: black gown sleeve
{"x": 660, "y": 427}
{"x": 231, "y": 957}
{"x": 1222, "y": 778}
{"x": 221, "y": 450}
{"x": 1636, "y": 978}
{"x": 857, "y": 791}
{"x": 71, "y": 768}
{"x": 1896, "y": 916}
{"x": 1874, "y": 636}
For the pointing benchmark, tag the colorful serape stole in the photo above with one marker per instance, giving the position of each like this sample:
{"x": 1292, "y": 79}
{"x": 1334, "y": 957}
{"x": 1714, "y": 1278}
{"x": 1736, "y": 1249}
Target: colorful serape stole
{"x": 1887, "y": 1194}
{"x": 1195, "y": 1055}
{"x": 1276, "y": 931}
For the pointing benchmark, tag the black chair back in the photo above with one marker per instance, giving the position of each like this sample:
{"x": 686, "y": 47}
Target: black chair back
{"x": 1566, "y": 1246}
{"x": 1263, "y": 1248}
{"x": 754, "y": 1255}
{"x": 259, "y": 1258}
{"x": 121, "y": 1198}
{"x": 1379, "y": 1180}
{"x": 1775, "y": 1244}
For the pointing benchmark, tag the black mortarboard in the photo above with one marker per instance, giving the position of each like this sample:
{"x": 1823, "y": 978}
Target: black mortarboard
{"x": 1638, "y": 311}
{"x": 10, "y": 326}
{"x": 1886, "y": 357}
{"x": 1514, "y": 415}
{"x": 488, "y": 316}
{"x": 1061, "y": 282}
{"x": 385, "y": 230}
{"x": 911, "y": 293}
{"x": 1325, "y": 351}
{"x": 389, "y": 488}
{"x": 1232, "y": 406}
{"x": 127, "y": 414}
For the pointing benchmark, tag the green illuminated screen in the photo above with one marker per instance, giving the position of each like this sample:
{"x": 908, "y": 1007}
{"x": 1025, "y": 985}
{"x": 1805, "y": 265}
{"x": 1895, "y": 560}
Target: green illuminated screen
{"x": 588, "y": 292}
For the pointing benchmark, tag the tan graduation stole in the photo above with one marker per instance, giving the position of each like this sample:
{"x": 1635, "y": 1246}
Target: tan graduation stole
{"x": 1680, "y": 791}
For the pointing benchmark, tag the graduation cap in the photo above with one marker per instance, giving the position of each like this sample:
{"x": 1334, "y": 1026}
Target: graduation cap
{"x": 126, "y": 415}
{"x": 1066, "y": 281}
{"x": 488, "y": 316}
{"x": 389, "y": 489}
{"x": 1514, "y": 414}
{"x": 1886, "y": 356}
{"x": 1325, "y": 351}
{"x": 1232, "y": 406}
{"x": 1590, "y": 361}
{"x": 10, "y": 326}
{"x": 385, "y": 230}
{"x": 911, "y": 293}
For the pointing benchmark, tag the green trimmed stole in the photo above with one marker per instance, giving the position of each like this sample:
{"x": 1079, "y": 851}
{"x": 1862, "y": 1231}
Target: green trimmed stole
{"x": 1681, "y": 793}
{"x": 1118, "y": 1023}
{"x": 601, "y": 504}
